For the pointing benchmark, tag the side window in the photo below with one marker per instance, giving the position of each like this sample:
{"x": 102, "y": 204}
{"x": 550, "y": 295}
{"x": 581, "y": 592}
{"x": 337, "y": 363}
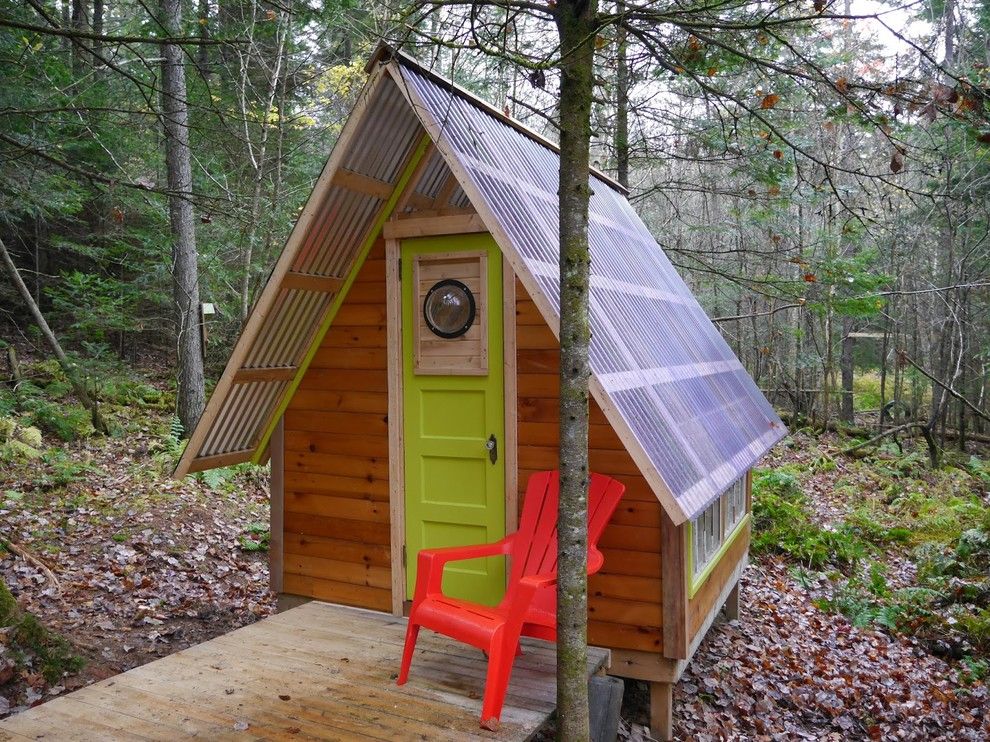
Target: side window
{"x": 736, "y": 505}
{"x": 711, "y": 529}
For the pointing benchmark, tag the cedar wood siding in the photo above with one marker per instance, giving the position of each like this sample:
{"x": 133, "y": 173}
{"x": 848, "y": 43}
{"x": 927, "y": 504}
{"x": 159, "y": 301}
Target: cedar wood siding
{"x": 624, "y": 599}
{"x": 336, "y": 457}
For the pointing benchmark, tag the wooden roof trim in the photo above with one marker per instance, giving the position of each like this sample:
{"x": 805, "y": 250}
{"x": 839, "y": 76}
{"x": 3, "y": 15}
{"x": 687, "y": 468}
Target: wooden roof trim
{"x": 384, "y": 53}
{"x": 269, "y": 294}
{"x": 202, "y": 463}
{"x": 423, "y": 226}
{"x": 519, "y": 267}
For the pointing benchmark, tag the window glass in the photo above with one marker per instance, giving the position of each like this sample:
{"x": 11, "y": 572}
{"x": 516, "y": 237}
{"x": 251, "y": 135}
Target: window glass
{"x": 735, "y": 500}
{"x": 449, "y": 308}
{"x": 710, "y": 529}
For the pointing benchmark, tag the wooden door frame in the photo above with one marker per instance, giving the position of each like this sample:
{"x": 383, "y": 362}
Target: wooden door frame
{"x": 396, "y": 449}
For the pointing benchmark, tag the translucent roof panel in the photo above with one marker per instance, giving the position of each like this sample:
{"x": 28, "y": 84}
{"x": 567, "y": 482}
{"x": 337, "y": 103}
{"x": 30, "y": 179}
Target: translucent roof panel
{"x": 694, "y": 411}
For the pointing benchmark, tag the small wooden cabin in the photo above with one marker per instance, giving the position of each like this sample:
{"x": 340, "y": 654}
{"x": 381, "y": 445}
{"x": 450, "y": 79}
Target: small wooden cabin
{"x": 400, "y": 371}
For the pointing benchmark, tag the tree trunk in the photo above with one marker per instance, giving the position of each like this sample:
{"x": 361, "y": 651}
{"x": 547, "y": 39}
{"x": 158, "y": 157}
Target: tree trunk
{"x": 78, "y": 387}
{"x": 846, "y": 411}
{"x": 576, "y": 25}
{"x": 78, "y": 48}
{"x": 185, "y": 273}
{"x": 621, "y": 100}
{"x": 258, "y": 161}
{"x": 203, "y": 52}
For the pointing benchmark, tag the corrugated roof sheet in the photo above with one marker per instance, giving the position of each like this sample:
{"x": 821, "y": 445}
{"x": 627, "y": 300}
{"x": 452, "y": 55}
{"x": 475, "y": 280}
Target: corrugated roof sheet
{"x": 697, "y": 415}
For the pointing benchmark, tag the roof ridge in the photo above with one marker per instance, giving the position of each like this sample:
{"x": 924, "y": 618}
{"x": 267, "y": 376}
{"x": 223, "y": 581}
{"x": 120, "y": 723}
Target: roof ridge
{"x": 385, "y": 53}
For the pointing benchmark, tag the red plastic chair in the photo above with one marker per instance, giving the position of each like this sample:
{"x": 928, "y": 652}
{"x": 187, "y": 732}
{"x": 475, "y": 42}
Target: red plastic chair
{"x": 529, "y": 607}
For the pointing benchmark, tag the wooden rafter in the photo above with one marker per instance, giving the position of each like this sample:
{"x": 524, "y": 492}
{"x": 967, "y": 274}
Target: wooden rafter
{"x": 311, "y": 282}
{"x": 277, "y": 373}
{"x": 353, "y": 181}
{"x": 445, "y": 192}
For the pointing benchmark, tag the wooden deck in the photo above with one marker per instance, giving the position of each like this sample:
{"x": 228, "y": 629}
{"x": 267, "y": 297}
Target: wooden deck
{"x": 318, "y": 671}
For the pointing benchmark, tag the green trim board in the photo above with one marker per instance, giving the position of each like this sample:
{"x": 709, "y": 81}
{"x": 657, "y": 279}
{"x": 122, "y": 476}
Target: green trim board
{"x": 454, "y": 493}
{"x": 373, "y": 234}
{"x": 695, "y": 583}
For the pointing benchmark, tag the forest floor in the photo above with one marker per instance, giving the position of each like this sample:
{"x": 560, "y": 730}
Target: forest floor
{"x": 864, "y": 610}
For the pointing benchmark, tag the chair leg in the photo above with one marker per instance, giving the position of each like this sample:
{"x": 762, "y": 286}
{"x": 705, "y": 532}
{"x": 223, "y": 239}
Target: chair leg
{"x": 496, "y": 684}
{"x": 412, "y": 632}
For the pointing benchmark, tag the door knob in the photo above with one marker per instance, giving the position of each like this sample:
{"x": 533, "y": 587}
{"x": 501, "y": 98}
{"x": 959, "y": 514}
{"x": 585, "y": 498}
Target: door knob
{"x": 492, "y": 445}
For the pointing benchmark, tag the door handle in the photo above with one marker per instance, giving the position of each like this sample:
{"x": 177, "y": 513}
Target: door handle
{"x": 492, "y": 445}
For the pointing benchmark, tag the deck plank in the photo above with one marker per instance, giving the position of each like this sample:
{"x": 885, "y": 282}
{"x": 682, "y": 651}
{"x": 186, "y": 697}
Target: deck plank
{"x": 318, "y": 671}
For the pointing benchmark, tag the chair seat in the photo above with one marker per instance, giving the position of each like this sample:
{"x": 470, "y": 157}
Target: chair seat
{"x": 471, "y": 623}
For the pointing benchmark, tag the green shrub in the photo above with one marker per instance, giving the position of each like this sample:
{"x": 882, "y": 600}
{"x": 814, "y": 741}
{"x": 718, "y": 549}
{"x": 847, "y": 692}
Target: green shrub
{"x": 65, "y": 421}
{"x": 976, "y": 627}
{"x": 782, "y": 524}
{"x": 62, "y": 470}
{"x": 256, "y": 537}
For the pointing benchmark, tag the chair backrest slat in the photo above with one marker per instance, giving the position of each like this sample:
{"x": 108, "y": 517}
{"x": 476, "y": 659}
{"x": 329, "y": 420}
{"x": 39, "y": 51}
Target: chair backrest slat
{"x": 535, "y": 548}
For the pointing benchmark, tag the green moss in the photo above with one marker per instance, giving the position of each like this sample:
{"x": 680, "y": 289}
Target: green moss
{"x": 8, "y": 606}
{"x": 53, "y": 654}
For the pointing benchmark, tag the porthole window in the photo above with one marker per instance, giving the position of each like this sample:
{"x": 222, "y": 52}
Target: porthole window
{"x": 449, "y": 308}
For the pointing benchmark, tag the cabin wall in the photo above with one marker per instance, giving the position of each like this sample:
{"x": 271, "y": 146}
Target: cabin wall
{"x": 625, "y": 598}
{"x": 336, "y": 509}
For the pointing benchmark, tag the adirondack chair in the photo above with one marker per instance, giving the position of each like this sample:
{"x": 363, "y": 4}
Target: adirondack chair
{"x": 529, "y": 607}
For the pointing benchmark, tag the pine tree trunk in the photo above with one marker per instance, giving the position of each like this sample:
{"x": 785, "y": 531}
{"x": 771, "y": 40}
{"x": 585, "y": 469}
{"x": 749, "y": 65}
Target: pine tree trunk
{"x": 185, "y": 273}
{"x": 576, "y": 25}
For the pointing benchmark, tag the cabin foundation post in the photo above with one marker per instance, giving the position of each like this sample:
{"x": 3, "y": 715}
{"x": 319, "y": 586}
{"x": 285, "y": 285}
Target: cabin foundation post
{"x": 662, "y": 710}
{"x": 732, "y": 603}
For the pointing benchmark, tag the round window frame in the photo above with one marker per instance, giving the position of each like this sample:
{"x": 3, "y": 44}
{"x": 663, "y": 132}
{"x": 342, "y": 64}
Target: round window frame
{"x": 472, "y": 309}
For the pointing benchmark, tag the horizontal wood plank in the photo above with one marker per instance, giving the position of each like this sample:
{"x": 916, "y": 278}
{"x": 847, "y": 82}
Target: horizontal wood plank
{"x": 344, "y": 380}
{"x": 376, "y": 555}
{"x": 337, "y": 485}
{"x": 335, "y": 591}
{"x": 354, "y": 508}
{"x": 354, "y": 573}
{"x": 344, "y": 529}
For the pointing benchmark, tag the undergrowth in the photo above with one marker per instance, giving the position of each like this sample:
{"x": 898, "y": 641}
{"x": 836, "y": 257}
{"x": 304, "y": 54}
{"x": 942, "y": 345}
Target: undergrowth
{"x": 898, "y": 509}
{"x": 34, "y": 647}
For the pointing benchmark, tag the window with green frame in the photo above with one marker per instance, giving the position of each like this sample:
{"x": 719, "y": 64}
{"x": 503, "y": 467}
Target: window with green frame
{"x": 711, "y": 531}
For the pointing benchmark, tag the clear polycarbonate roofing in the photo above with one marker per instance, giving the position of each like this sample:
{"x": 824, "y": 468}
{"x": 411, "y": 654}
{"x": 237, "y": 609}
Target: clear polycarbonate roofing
{"x": 694, "y": 410}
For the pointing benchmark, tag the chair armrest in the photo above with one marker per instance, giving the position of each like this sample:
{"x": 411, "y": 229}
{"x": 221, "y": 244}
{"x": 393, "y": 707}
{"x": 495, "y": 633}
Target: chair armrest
{"x": 430, "y": 562}
{"x": 535, "y": 582}
{"x": 595, "y": 560}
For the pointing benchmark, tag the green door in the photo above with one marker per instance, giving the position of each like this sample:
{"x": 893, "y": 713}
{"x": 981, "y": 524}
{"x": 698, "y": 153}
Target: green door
{"x": 453, "y": 425}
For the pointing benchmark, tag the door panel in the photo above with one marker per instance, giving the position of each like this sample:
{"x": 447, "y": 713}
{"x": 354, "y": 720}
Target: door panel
{"x": 453, "y": 403}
